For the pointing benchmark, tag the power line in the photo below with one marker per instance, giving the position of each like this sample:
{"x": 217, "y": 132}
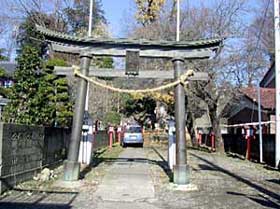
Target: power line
{"x": 260, "y": 32}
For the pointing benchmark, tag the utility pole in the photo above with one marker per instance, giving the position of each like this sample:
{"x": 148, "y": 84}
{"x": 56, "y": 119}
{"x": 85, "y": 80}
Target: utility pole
{"x": 260, "y": 124}
{"x": 277, "y": 80}
{"x": 178, "y": 21}
{"x": 90, "y": 18}
{"x": 89, "y": 35}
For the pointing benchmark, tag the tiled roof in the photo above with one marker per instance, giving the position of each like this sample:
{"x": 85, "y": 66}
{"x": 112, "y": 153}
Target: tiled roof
{"x": 214, "y": 42}
{"x": 267, "y": 96}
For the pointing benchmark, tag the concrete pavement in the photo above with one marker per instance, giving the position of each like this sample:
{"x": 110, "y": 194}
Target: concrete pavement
{"x": 128, "y": 179}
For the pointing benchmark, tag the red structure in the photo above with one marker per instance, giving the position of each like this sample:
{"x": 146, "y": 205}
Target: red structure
{"x": 111, "y": 132}
{"x": 212, "y": 136}
{"x": 119, "y": 131}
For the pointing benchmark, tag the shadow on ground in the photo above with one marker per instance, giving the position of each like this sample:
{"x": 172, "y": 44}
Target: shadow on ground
{"x": 8, "y": 205}
{"x": 162, "y": 163}
{"x": 38, "y": 199}
{"x": 260, "y": 199}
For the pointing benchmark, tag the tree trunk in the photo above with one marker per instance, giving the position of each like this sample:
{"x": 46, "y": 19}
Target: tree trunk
{"x": 191, "y": 129}
{"x": 215, "y": 121}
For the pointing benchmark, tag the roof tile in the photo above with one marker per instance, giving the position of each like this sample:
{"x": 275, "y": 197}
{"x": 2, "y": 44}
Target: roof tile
{"x": 267, "y": 96}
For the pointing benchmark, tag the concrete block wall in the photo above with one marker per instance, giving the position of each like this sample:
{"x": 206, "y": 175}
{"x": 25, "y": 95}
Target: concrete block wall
{"x": 24, "y": 150}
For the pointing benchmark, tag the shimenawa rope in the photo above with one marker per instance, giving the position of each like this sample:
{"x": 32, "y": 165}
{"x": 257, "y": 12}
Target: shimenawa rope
{"x": 183, "y": 78}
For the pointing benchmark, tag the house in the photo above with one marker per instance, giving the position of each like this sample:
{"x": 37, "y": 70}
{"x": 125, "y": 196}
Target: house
{"x": 6, "y": 81}
{"x": 244, "y": 108}
{"x": 268, "y": 80}
{"x": 9, "y": 68}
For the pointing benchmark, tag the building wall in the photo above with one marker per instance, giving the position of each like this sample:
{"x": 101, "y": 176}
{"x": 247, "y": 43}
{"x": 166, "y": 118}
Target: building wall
{"x": 24, "y": 150}
{"x": 246, "y": 116}
{"x": 269, "y": 79}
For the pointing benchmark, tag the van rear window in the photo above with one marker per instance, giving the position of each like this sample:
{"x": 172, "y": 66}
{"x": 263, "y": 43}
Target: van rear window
{"x": 134, "y": 129}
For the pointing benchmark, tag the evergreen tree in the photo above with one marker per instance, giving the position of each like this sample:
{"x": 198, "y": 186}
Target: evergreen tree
{"x": 78, "y": 16}
{"x": 24, "y": 106}
{"x": 59, "y": 97}
{"x": 38, "y": 97}
{"x": 28, "y": 36}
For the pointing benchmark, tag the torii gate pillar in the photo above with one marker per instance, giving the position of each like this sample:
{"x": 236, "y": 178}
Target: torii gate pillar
{"x": 181, "y": 170}
{"x": 71, "y": 165}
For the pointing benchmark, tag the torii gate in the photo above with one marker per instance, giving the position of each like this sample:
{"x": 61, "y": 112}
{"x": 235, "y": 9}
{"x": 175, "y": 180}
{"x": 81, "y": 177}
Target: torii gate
{"x": 87, "y": 47}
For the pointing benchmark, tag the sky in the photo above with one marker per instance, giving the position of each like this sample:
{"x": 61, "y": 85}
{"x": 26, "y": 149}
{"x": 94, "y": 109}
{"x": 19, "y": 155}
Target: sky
{"x": 114, "y": 12}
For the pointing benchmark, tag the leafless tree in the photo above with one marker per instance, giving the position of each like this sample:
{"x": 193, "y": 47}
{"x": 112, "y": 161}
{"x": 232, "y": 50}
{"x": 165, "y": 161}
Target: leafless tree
{"x": 233, "y": 68}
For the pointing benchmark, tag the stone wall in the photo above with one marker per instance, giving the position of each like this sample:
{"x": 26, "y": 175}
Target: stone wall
{"x": 24, "y": 150}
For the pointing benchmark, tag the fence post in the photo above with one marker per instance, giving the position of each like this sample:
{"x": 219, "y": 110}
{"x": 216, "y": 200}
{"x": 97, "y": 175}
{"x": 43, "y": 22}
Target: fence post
{"x": 119, "y": 131}
{"x": 212, "y": 142}
{"x": 199, "y": 138}
{"x": 110, "y": 132}
{"x": 248, "y": 151}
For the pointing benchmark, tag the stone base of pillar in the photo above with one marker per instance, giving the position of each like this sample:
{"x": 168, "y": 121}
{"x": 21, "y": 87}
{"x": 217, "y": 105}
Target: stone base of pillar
{"x": 71, "y": 170}
{"x": 181, "y": 174}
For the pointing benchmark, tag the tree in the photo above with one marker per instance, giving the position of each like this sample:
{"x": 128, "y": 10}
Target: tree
{"x": 38, "y": 97}
{"x": 262, "y": 28}
{"x": 27, "y": 34}
{"x": 148, "y": 10}
{"x": 78, "y": 16}
{"x": 222, "y": 19}
{"x": 24, "y": 106}
{"x": 141, "y": 108}
{"x": 112, "y": 118}
{"x": 58, "y": 96}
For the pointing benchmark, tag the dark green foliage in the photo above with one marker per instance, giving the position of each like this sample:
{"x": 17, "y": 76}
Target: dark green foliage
{"x": 63, "y": 107}
{"x": 78, "y": 16}
{"x": 3, "y": 73}
{"x": 35, "y": 98}
{"x": 5, "y": 92}
{"x": 56, "y": 62}
{"x": 28, "y": 35}
{"x": 24, "y": 106}
{"x": 112, "y": 118}
{"x": 142, "y": 109}
{"x": 104, "y": 62}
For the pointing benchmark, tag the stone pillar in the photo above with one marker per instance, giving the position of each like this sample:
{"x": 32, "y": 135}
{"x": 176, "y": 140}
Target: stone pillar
{"x": 181, "y": 170}
{"x": 71, "y": 165}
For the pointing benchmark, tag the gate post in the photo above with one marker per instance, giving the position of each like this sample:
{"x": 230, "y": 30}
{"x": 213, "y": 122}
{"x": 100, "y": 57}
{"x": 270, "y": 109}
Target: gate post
{"x": 181, "y": 170}
{"x": 71, "y": 165}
